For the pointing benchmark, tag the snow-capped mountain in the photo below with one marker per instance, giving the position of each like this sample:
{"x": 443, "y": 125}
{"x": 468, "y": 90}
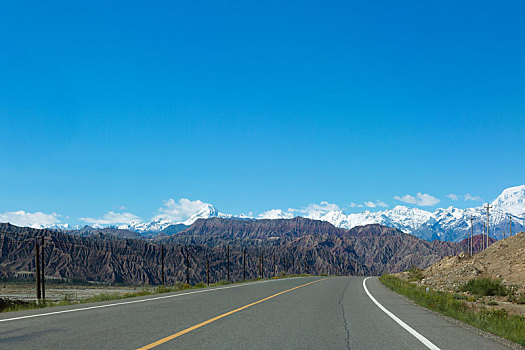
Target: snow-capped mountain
{"x": 512, "y": 201}
{"x": 454, "y": 224}
{"x": 206, "y": 212}
{"x": 448, "y": 224}
{"x": 59, "y": 226}
{"x": 161, "y": 222}
{"x": 401, "y": 217}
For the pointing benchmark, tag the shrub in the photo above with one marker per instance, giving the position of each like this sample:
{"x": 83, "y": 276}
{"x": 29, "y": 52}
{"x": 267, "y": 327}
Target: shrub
{"x": 162, "y": 289}
{"x": 485, "y": 287}
{"x": 415, "y": 274}
{"x": 223, "y": 282}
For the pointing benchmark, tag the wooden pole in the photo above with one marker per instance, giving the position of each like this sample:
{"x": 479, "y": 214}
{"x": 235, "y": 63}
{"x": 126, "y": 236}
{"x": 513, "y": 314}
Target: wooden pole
{"x": 510, "y": 225}
{"x": 471, "y": 250}
{"x": 262, "y": 265}
{"x": 162, "y": 262}
{"x": 228, "y": 253}
{"x": 274, "y": 268}
{"x": 244, "y": 265}
{"x": 488, "y": 208}
{"x": 208, "y": 271}
{"x": 37, "y": 272}
{"x": 305, "y": 266}
{"x": 42, "y": 270}
{"x": 187, "y": 266}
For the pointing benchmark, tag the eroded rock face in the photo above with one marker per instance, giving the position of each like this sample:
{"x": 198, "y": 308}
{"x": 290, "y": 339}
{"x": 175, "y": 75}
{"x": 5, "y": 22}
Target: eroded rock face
{"x": 261, "y": 229}
{"x": 299, "y": 245}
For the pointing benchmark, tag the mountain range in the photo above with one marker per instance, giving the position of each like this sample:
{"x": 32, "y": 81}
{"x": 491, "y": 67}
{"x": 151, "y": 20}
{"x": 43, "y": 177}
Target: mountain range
{"x": 444, "y": 224}
{"x": 296, "y": 245}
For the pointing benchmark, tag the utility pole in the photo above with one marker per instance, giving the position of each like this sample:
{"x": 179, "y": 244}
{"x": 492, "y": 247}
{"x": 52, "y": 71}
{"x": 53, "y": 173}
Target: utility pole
{"x": 471, "y": 247}
{"x": 228, "y": 263}
{"x": 488, "y": 206}
{"x": 510, "y": 225}
{"x": 274, "y": 265}
{"x": 187, "y": 266}
{"x": 306, "y": 266}
{"x": 43, "y": 275}
{"x": 37, "y": 272}
{"x": 262, "y": 265}
{"x": 162, "y": 262}
{"x": 244, "y": 265}
{"x": 208, "y": 271}
{"x": 483, "y": 240}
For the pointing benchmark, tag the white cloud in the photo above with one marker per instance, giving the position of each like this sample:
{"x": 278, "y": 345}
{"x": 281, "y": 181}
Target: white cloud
{"x": 244, "y": 216}
{"x": 381, "y": 204}
{"x": 181, "y": 210}
{"x": 112, "y": 218}
{"x": 377, "y": 203}
{"x": 469, "y": 197}
{"x": 275, "y": 214}
{"x": 35, "y": 220}
{"x": 316, "y": 210}
{"x": 453, "y": 196}
{"x": 421, "y": 199}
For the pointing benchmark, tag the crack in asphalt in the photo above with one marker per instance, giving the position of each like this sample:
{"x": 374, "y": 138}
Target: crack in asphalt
{"x": 344, "y": 317}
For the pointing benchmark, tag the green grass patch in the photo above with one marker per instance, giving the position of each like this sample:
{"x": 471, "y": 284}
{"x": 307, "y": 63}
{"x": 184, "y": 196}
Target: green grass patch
{"x": 497, "y": 321}
{"x": 485, "y": 287}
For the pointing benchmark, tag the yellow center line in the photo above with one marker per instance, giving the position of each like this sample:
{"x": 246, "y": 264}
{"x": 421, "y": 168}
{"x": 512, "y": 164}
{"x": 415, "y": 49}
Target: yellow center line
{"x": 187, "y": 330}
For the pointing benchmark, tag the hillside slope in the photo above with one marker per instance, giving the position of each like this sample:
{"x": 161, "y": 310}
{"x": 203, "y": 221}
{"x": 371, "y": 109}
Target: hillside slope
{"x": 504, "y": 259}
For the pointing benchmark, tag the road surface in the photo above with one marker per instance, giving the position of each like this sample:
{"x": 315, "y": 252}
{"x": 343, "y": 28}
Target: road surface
{"x": 294, "y": 313}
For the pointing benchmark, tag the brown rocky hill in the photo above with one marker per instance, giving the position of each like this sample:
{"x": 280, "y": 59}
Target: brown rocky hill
{"x": 503, "y": 259}
{"x": 299, "y": 245}
{"x": 252, "y": 232}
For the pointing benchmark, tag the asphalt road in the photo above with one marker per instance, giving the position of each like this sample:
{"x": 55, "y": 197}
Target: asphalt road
{"x": 298, "y": 313}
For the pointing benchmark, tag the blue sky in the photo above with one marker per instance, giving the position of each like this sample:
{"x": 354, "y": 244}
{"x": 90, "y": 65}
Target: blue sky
{"x": 121, "y": 106}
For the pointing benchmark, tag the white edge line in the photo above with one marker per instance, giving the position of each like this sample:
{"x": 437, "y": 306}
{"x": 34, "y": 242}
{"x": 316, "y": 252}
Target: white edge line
{"x": 419, "y": 337}
{"x": 138, "y": 301}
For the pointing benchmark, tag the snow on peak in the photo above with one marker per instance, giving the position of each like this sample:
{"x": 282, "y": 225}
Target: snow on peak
{"x": 511, "y": 200}
{"x": 206, "y": 212}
